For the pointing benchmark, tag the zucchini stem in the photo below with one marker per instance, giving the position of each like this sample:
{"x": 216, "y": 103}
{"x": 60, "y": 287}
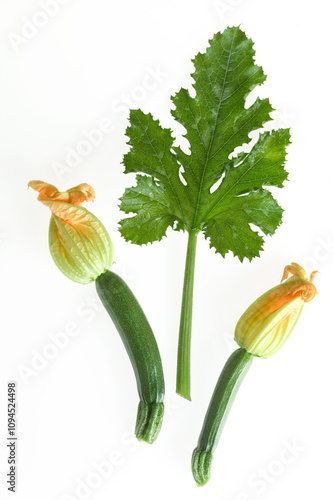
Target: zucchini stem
{"x": 149, "y": 421}
{"x": 183, "y": 387}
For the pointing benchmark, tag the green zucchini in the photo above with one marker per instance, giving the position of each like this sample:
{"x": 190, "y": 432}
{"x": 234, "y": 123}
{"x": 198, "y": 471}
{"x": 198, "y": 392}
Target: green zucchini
{"x": 140, "y": 343}
{"x": 224, "y": 394}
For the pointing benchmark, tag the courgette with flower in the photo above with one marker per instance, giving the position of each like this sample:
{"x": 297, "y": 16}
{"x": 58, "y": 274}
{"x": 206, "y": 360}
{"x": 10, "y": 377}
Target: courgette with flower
{"x": 82, "y": 249}
{"x": 260, "y": 332}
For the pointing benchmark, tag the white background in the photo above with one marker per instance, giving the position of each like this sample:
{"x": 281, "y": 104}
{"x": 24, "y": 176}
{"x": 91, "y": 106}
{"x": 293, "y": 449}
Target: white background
{"x": 79, "y": 409}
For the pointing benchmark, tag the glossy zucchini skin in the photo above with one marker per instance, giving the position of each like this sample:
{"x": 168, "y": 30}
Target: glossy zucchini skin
{"x": 140, "y": 343}
{"x": 223, "y": 396}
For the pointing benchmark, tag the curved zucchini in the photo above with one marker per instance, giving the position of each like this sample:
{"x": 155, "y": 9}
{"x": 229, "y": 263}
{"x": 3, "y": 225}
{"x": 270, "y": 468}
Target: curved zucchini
{"x": 138, "y": 338}
{"x": 224, "y": 394}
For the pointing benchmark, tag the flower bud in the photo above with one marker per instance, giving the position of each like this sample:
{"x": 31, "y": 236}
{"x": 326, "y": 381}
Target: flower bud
{"x": 267, "y": 323}
{"x": 79, "y": 243}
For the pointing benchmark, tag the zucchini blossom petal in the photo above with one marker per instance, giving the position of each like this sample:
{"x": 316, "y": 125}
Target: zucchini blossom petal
{"x": 79, "y": 243}
{"x": 267, "y": 323}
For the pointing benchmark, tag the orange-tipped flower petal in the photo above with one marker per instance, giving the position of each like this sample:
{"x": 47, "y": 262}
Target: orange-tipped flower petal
{"x": 79, "y": 243}
{"x": 76, "y": 195}
{"x": 267, "y": 323}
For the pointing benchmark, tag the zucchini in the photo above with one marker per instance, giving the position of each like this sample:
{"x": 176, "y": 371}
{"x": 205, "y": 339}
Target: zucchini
{"x": 224, "y": 394}
{"x": 140, "y": 343}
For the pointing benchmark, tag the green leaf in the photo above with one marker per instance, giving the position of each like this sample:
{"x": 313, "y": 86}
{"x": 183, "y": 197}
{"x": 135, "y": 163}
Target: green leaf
{"x": 217, "y": 120}
{"x": 231, "y": 230}
{"x": 154, "y": 207}
{"x": 151, "y": 154}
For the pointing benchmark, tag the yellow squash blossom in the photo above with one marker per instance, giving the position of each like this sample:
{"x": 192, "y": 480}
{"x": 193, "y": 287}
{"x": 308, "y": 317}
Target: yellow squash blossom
{"x": 267, "y": 323}
{"x": 79, "y": 243}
